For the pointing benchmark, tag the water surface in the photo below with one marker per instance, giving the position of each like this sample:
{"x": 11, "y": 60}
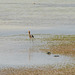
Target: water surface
{"x": 40, "y": 17}
{"x": 19, "y": 50}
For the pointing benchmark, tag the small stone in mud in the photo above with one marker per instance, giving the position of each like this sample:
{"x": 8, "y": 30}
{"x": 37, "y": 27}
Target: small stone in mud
{"x": 48, "y": 53}
{"x": 56, "y": 55}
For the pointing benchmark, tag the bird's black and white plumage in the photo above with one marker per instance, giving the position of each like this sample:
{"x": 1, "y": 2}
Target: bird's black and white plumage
{"x": 30, "y": 36}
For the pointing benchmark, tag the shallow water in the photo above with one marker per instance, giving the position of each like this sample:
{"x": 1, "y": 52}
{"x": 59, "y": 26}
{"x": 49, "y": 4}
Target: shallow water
{"x": 34, "y": 60}
{"x": 19, "y": 50}
{"x": 40, "y": 17}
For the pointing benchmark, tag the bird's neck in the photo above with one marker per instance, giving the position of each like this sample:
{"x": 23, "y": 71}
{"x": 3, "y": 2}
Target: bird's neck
{"x": 29, "y": 33}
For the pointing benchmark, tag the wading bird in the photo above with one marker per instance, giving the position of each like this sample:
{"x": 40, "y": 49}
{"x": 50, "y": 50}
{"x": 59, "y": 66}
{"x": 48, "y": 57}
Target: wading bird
{"x": 30, "y": 36}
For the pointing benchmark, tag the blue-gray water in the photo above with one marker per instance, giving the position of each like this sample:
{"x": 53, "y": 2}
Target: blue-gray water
{"x": 40, "y": 17}
{"x": 20, "y": 51}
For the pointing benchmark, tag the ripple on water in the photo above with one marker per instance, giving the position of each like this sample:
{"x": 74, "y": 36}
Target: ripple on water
{"x": 17, "y": 51}
{"x": 35, "y": 59}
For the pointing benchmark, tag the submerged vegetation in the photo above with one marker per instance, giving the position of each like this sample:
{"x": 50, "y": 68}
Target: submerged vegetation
{"x": 60, "y": 44}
